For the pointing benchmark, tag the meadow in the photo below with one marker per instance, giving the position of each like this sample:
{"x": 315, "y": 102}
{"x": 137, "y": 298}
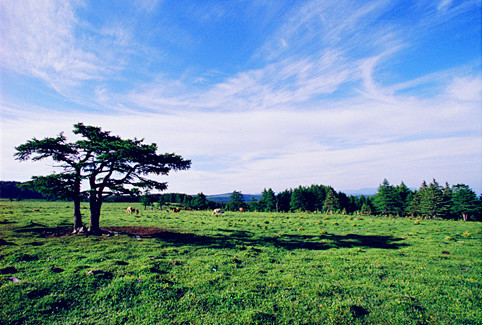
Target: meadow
{"x": 237, "y": 268}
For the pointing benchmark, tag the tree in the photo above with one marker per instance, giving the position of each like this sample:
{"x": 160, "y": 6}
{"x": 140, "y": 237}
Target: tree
{"x": 200, "y": 202}
{"x": 405, "y": 197}
{"x": 432, "y": 200}
{"x": 465, "y": 202}
{"x": 366, "y": 209}
{"x": 414, "y": 207}
{"x": 283, "y": 200}
{"x": 387, "y": 199}
{"x": 268, "y": 201}
{"x": 319, "y": 194}
{"x": 237, "y": 201}
{"x": 145, "y": 200}
{"x": 447, "y": 203}
{"x": 298, "y": 201}
{"x": 331, "y": 203}
{"x": 110, "y": 164}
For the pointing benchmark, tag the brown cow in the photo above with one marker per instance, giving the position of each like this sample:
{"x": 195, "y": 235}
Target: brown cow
{"x": 241, "y": 210}
{"x": 217, "y": 211}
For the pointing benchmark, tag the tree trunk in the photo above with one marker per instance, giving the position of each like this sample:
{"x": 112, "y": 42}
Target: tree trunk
{"x": 95, "y": 202}
{"x": 78, "y": 226}
{"x": 95, "y": 217}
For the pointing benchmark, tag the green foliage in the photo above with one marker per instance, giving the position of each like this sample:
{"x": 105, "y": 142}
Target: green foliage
{"x": 432, "y": 200}
{"x": 237, "y": 201}
{"x": 200, "y": 202}
{"x": 388, "y": 199}
{"x": 465, "y": 203}
{"x": 145, "y": 200}
{"x": 268, "y": 201}
{"x": 228, "y": 269}
{"x": 299, "y": 200}
{"x": 331, "y": 202}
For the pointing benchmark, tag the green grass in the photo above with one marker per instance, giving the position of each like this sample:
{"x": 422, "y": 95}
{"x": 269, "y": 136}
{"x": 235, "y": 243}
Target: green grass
{"x": 237, "y": 268}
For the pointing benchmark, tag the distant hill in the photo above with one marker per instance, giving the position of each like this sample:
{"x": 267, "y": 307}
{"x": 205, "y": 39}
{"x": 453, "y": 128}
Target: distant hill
{"x": 225, "y": 198}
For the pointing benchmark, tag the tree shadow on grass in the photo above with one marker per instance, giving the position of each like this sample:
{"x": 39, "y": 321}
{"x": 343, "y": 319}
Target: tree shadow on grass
{"x": 45, "y": 232}
{"x": 237, "y": 238}
{"x": 328, "y": 241}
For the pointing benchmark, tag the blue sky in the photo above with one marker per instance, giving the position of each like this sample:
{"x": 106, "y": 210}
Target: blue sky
{"x": 256, "y": 93}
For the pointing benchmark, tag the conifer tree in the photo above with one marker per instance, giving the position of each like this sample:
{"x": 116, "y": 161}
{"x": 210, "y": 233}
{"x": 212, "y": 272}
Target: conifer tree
{"x": 387, "y": 199}
{"x": 237, "y": 201}
{"x": 432, "y": 200}
{"x": 465, "y": 203}
{"x": 331, "y": 203}
{"x": 298, "y": 201}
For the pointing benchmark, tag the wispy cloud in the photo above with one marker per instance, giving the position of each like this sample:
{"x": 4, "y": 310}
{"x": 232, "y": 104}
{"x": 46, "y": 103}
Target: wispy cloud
{"x": 38, "y": 38}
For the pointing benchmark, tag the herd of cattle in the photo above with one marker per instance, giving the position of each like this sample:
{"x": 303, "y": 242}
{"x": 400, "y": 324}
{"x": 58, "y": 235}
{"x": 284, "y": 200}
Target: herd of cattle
{"x": 176, "y": 209}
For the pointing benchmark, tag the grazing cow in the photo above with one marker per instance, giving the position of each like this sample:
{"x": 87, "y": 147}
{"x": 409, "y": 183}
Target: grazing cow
{"x": 129, "y": 210}
{"x": 241, "y": 210}
{"x": 175, "y": 209}
{"x": 217, "y": 211}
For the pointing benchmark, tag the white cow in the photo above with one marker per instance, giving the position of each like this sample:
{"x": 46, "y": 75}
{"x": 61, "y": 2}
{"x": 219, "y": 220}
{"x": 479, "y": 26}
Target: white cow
{"x": 217, "y": 211}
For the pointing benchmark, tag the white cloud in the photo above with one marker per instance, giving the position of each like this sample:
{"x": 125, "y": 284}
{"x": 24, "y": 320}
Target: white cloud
{"x": 38, "y": 39}
{"x": 466, "y": 88}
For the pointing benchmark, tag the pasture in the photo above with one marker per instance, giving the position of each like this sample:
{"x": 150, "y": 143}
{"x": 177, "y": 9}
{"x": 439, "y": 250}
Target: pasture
{"x": 238, "y": 268}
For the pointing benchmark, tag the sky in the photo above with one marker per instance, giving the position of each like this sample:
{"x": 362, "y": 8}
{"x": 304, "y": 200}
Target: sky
{"x": 257, "y": 94}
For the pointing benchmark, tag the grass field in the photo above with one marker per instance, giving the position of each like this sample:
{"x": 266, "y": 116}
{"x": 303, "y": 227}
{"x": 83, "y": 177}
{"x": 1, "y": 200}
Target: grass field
{"x": 238, "y": 268}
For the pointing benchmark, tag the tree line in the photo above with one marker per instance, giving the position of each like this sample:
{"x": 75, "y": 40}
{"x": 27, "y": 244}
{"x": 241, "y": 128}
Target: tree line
{"x": 457, "y": 202}
{"x": 429, "y": 201}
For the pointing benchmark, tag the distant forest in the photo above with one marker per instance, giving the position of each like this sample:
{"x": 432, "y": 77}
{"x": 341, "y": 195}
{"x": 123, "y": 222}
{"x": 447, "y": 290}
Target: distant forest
{"x": 458, "y": 202}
